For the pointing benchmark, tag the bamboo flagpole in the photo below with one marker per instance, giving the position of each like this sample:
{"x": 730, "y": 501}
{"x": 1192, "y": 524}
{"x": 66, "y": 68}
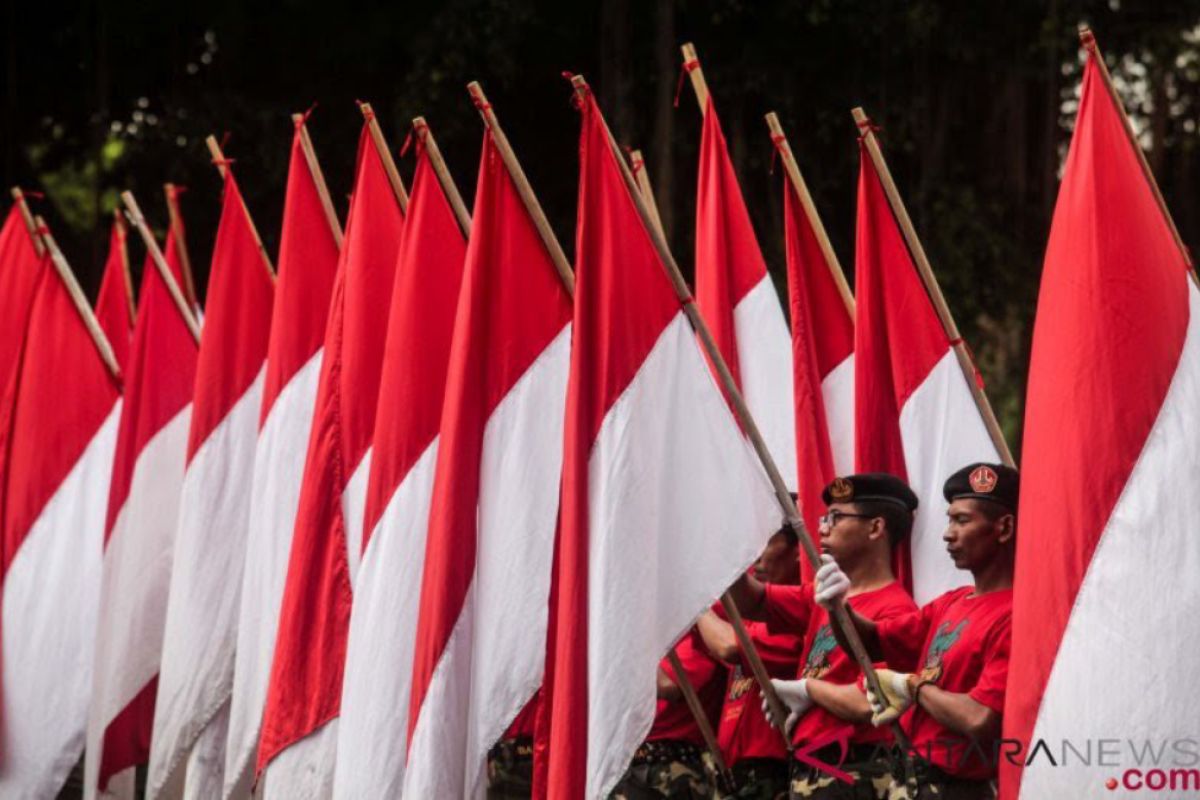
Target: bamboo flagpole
{"x": 385, "y": 155}
{"x": 78, "y": 300}
{"x": 318, "y": 177}
{"x": 172, "y": 192}
{"x": 931, "y": 286}
{"x": 524, "y": 190}
{"x": 691, "y": 63}
{"x": 134, "y": 213}
{"x": 637, "y": 164}
{"x": 123, "y": 238}
{"x": 222, "y": 165}
{"x": 27, "y": 215}
{"x": 839, "y": 615}
{"x": 792, "y": 169}
{"x": 1088, "y": 40}
{"x": 425, "y": 135}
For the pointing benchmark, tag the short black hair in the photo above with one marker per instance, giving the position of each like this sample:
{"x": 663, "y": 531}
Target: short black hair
{"x": 897, "y": 518}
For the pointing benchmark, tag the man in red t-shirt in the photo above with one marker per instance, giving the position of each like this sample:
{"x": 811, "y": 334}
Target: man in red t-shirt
{"x": 754, "y": 751}
{"x": 670, "y": 762}
{"x": 867, "y": 515}
{"x": 953, "y": 651}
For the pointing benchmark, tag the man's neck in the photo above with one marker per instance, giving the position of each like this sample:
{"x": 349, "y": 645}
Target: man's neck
{"x": 995, "y": 576}
{"x": 869, "y": 575}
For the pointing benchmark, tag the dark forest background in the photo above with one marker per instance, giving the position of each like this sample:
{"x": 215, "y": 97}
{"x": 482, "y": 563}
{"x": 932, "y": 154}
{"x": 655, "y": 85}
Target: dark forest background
{"x": 975, "y": 100}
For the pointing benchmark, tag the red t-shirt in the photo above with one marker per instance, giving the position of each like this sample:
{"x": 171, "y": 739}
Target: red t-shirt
{"x": 524, "y": 723}
{"x": 744, "y": 731}
{"x": 792, "y": 607}
{"x": 963, "y": 642}
{"x": 674, "y": 720}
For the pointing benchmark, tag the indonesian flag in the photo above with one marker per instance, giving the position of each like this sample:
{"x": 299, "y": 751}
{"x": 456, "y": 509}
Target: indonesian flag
{"x": 915, "y": 416}
{"x": 143, "y": 511}
{"x": 114, "y": 304}
{"x": 375, "y": 691}
{"x": 822, "y": 363}
{"x": 20, "y": 267}
{"x": 1107, "y": 553}
{"x": 481, "y": 636}
{"x": 191, "y": 714}
{"x": 308, "y": 262}
{"x": 56, "y": 451}
{"x": 738, "y": 300}
{"x": 299, "y": 731}
{"x": 663, "y": 501}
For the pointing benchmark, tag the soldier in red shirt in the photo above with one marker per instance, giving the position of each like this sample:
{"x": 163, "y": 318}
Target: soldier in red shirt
{"x": 953, "y": 652}
{"x": 867, "y": 515}
{"x": 755, "y": 752}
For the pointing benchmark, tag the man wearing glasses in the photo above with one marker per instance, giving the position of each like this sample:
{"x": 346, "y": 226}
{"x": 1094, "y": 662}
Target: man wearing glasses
{"x": 868, "y": 515}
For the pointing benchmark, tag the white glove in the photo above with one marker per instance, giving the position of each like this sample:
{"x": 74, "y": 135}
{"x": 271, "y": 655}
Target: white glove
{"x": 794, "y": 695}
{"x": 830, "y": 584}
{"x": 896, "y": 697}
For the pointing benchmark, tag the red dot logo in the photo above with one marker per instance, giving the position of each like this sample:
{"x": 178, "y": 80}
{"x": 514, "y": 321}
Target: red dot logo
{"x": 1111, "y": 783}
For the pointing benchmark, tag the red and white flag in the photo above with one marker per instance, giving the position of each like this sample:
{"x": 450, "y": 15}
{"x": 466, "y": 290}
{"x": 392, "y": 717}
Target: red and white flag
{"x": 663, "y": 501}
{"x": 915, "y": 416}
{"x": 372, "y": 741}
{"x": 115, "y": 310}
{"x": 481, "y": 637}
{"x": 738, "y": 299}
{"x": 20, "y": 267}
{"x": 140, "y": 524}
{"x": 822, "y": 363}
{"x": 196, "y": 677}
{"x": 298, "y": 744}
{"x": 308, "y": 261}
{"x": 1107, "y": 552}
{"x": 56, "y": 452}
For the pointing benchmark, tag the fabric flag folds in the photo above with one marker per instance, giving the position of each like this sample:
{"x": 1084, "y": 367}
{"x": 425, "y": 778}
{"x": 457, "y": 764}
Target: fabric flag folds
{"x": 57, "y": 436}
{"x": 663, "y": 502}
{"x": 20, "y": 267}
{"x": 114, "y": 304}
{"x": 143, "y": 510}
{"x": 822, "y": 363}
{"x": 738, "y": 299}
{"x": 915, "y": 416}
{"x": 372, "y": 739}
{"x": 307, "y": 264}
{"x": 481, "y": 635}
{"x": 191, "y": 714}
{"x": 1107, "y": 552}
{"x": 297, "y": 746}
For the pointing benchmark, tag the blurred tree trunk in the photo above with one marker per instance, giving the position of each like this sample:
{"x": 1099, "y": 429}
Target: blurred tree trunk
{"x": 666, "y": 69}
{"x": 615, "y": 53}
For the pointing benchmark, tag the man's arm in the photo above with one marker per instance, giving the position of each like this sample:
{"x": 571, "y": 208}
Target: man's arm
{"x": 844, "y": 701}
{"x": 868, "y": 631}
{"x": 719, "y": 638}
{"x": 749, "y": 592}
{"x": 667, "y": 688}
{"x": 959, "y": 712}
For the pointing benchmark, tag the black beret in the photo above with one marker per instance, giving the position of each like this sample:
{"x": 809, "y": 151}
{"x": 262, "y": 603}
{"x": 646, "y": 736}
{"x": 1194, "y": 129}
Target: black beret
{"x": 995, "y": 482}
{"x": 870, "y": 487}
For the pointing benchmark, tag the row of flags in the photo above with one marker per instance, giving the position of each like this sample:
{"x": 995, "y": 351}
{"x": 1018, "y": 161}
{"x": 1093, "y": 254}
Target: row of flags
{"x": 429, "y": 481}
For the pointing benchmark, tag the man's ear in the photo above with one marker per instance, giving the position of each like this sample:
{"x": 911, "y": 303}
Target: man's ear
{"x": 1007, "y": 527}
{"x": 878, "y": 529}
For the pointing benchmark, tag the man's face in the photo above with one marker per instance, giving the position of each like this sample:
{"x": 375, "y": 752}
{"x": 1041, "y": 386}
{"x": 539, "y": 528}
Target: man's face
{"x": 975, "y": 533}
{"x": 779, "y": 562}
{"x": 848, "y": 534}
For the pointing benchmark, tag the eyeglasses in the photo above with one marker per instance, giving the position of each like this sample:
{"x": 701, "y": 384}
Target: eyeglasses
{"x": 832, "y": 518}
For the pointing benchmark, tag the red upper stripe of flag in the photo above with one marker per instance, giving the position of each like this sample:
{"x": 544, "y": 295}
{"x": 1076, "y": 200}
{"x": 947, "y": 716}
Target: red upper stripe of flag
{"x": 113, "y": 311}
{"x": 19, "y": 270}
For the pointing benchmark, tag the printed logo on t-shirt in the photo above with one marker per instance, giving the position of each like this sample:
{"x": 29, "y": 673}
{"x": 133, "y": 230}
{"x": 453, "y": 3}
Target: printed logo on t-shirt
{"x": 942, "y": 641}
{"x": 817, "y": 663}
{"x": 739, "y": 684}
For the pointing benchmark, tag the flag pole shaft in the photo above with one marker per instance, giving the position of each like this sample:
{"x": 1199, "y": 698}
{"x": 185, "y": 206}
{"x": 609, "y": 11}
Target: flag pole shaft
{"x": 449, "y": 188}
{"x": 27, "y": 215}
{"x": 699, "y": 85}
{"x": 103, "y": 347}
{"x": 123, "y": 238}
{"x": 318, "y": 178}
{"x": 160, "y": 263}
{"x": 176, "y": 219}
{"x": 839, "y": 614}
{"x": 792, "y": 169}
{"x": 1088, "y": 40}
{"x": 385, "y": 155}
{"x": 524, "y": 189}
{"x": 931, "y": 286}
{"x": 221, "y": 164}
{"x": 637, "y": 164}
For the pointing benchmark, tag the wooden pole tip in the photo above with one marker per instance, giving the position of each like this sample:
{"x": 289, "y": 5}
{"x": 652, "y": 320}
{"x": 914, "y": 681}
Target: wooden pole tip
{"x": 16, "y": 193}
{"x": 578, "y": 82}
{"x": 419, "y": 122}
{"x": 474, "y": 88}
{"x": 858, "y": 114}
{"x": 366, "y": 110}
{"x": 1086, "y": 37}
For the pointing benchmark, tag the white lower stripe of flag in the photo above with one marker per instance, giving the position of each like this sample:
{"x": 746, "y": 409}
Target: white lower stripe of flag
{"x": 51, "y": 593}
{"x": 837, "y": 392}
{"x": 205, "y": 770}
{"x": 354, "y": 501}
{"x": 1139, "y": 595}
{"x": 383, "y": 624}
{"x": 303, "y": 771}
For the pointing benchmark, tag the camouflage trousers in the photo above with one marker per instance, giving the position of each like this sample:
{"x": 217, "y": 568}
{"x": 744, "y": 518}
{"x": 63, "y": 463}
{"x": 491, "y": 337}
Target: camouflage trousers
{"x": 931, "y": 783}
{"x": 872, "y": 780}
{"x": 510, "y": 769}
{"x": 671, "y": 769}
{"x": 760, "y": 779}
